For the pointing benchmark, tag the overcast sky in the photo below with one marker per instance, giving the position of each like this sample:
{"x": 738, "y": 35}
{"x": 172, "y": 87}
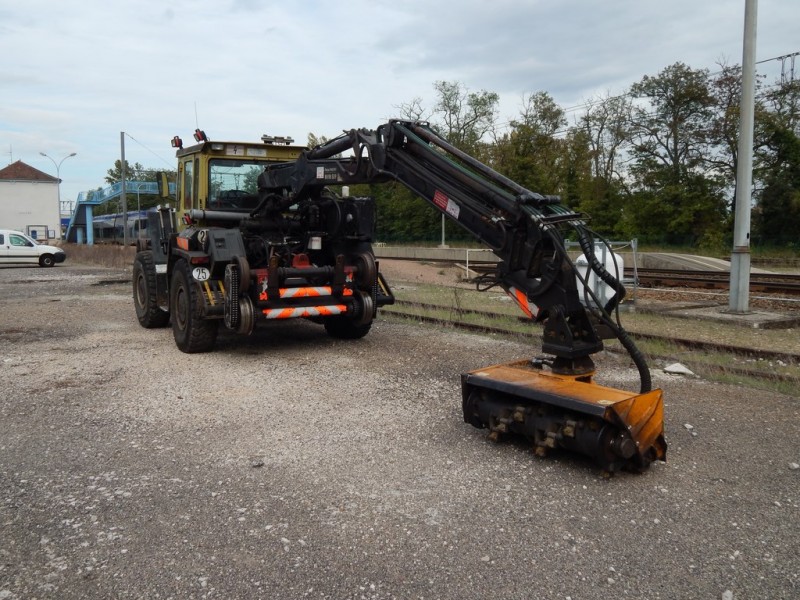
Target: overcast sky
{"x": 74, "y": 74}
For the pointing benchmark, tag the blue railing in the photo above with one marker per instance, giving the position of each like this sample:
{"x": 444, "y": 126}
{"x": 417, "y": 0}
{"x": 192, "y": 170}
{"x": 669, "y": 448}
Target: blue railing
{"x": 115, "y": 191}
{"x": 92, "y": 198}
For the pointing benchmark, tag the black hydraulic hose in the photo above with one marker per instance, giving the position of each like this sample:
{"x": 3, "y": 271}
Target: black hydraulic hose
{"x": 480, "y": 187}
{"x": 429, "y": 136}
{"x": 600, "y": 270}
{"x": 646, "y": 382}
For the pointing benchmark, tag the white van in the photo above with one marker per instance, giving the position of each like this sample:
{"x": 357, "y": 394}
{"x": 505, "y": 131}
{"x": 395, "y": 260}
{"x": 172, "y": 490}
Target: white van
{"x": 16, "y": 247}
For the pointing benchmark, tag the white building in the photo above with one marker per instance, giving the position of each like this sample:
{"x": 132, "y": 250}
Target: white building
{"x": 29, "y": 201}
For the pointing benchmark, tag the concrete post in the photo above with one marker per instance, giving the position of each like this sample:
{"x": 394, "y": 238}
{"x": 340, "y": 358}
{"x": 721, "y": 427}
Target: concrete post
{"x": 739, "y": 301}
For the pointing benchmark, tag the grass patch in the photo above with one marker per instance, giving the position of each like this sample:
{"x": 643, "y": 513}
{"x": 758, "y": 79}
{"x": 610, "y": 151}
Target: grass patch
{"x": 106, "y": 255}
{"x": 493, "y": 309}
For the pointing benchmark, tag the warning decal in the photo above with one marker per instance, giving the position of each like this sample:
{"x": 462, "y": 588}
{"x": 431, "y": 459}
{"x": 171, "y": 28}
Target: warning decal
{"x": 446, "y": 204}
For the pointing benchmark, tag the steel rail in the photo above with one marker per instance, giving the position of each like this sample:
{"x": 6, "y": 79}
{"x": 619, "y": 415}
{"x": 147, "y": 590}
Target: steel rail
{"x": 773, "y": 283}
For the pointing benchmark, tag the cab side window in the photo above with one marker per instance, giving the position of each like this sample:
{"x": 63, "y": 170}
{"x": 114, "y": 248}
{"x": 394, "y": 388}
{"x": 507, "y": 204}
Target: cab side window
{"x": 188, "y": 185}
{"x": 2, "y": 239}
{"x": 17, "y": 240}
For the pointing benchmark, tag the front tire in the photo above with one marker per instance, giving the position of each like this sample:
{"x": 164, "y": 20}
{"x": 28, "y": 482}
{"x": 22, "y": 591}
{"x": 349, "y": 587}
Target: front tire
{"x": 192, "y": 333}
{"x": 46, "y": 260}
{"x": 145, "y": 292}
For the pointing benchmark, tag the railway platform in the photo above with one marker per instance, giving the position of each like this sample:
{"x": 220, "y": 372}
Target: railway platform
{"x": 719, "y": 312}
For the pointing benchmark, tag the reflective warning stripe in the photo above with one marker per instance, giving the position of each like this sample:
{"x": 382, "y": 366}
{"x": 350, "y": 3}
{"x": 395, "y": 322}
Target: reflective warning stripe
{"x": 521, "y": 298}
{"x": 306, "y": 292}
{"x": 304, "y": 311}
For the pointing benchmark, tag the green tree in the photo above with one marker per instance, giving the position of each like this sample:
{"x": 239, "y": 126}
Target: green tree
{"x": 114, "y": 175}
{"x": 726, "y": 91}
{"x": 606, "y": 126}
{"x": 462, "y": 117}
{"x": 777, "y": 215}
{"x": 414, "y": 110}
{"x": 541, "y": 153}
{"x": 671, "y": 129}
{"x": 537, "y": 151}
{"x": 688, "y": 211}
{"x": 578, "y": 184}
{"x": 676, "y": 197}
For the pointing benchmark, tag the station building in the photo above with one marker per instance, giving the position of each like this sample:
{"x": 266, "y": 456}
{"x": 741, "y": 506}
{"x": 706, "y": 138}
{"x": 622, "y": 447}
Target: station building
{"x": 29, "y": 201}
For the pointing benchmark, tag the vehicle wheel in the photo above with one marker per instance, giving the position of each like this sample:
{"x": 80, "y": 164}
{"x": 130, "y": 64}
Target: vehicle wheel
{"x": 367, "y": 270}
{"x": 355, "y": 326}
{"x": 145, "y": 292}
{"x": 192, "y": 333}
{"x": 46, "y": 260}
{"x": 344, "y": 328}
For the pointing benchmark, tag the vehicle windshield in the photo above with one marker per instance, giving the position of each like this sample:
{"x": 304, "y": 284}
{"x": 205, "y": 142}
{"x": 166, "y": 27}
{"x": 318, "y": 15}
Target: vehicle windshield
{"x": 233, "y": 184}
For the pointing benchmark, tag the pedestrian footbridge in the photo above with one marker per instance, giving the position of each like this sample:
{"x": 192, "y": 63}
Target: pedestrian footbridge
{"x": 77, "y": 230}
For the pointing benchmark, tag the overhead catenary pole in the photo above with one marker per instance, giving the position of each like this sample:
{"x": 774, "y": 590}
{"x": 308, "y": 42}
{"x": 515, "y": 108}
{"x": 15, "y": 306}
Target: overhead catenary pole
{"x": 739, "y": 301}
{"x": 122, "y": 191}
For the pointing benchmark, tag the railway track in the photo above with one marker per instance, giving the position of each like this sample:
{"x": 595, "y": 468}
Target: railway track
{"x": 772, "y": 283}
{"x": 459, "y": 320}
{"x": 765, "y": 283}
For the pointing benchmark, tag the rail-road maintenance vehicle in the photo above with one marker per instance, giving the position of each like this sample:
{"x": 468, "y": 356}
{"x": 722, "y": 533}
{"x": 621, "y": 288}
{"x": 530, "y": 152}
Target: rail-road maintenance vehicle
{"x": 257, "y": 232}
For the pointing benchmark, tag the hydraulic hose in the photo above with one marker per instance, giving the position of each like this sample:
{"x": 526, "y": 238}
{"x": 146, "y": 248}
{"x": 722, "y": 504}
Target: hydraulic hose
{"x": 646, "y": 382}
{"x": 600, "y": 270}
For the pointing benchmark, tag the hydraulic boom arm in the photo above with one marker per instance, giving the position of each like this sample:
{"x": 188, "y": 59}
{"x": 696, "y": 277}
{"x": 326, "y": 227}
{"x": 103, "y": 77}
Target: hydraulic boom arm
{"x": 526, "y": 231}
{"x": 523, "y": 228}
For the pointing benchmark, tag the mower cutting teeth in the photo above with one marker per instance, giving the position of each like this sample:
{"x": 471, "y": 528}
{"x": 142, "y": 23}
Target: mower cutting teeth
{"x": 617, "y": 429}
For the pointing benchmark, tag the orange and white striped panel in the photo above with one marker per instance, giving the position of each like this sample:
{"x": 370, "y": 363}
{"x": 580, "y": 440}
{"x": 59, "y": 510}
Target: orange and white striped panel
{"x": 306, "y": 292}
{"x": 305, "y": 311}
{"x": 521, "y": 298}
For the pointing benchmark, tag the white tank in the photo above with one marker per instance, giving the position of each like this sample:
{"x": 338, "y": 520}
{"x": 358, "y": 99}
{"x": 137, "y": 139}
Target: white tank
{"x": 613, "y": 263}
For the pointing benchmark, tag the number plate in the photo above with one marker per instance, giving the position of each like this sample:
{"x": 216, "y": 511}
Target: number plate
{"x": 201, "y": 274}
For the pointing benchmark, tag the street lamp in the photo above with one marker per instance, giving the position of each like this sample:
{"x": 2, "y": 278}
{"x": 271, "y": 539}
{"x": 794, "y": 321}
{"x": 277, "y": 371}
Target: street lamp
{"x": 58, "y": 176}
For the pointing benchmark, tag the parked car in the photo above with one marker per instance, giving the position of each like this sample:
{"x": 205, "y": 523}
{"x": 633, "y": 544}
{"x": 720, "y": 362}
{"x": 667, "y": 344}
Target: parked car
{"x": 16, "y": 247}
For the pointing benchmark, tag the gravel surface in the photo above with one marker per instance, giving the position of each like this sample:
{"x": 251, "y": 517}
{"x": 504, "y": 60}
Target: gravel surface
{"x": 292, "y": 465}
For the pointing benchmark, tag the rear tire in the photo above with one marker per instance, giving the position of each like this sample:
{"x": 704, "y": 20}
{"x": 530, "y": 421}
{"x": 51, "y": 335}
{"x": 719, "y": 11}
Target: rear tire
{"x": 344, "y": 328}
{"x": 145, "y": 292}
{"x": 192, "y": 333}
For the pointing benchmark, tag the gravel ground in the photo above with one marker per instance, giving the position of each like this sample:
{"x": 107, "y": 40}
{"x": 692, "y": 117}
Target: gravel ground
{"x": 292, "y": 465}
